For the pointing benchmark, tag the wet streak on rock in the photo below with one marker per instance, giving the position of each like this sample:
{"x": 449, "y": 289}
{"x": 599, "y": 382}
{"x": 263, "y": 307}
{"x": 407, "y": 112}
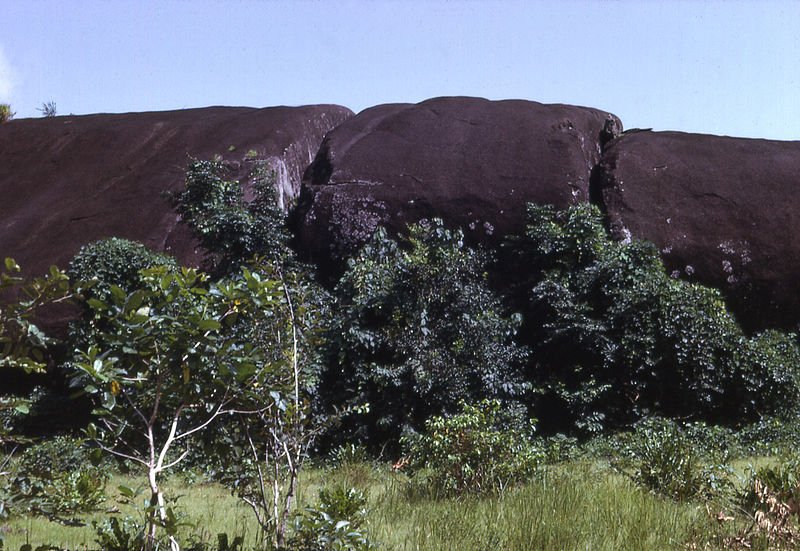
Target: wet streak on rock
{"x": 66, "y": 181}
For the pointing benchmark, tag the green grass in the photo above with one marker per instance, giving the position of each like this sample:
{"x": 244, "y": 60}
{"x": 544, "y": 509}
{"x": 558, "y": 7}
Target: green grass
{"x": 209, "y": 507}
{"x": 576, "y": 505}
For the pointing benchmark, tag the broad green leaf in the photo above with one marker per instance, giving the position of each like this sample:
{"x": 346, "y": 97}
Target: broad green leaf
{"x": 11, "y": 265}
{"x": 134, "y": 300}
{"x": 126, "y": 492}
{"x": 208, "y": 325}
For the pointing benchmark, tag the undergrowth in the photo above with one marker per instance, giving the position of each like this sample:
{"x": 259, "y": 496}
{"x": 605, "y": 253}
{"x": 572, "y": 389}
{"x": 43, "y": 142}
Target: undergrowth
{"x": 575, "y": 504}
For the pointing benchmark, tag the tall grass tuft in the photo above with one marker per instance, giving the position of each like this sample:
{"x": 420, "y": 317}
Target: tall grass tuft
{"x": 569, "y": 508}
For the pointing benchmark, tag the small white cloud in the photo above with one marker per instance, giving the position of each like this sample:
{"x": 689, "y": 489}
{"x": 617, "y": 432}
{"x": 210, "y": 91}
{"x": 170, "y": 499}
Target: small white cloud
{"x": 6, "y": 77}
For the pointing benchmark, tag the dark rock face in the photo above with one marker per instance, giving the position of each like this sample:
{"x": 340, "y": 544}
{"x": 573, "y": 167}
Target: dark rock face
{"x": 473, "y": 162}
{"x": 724, "y": 212}
{"x": 66, "y": 181}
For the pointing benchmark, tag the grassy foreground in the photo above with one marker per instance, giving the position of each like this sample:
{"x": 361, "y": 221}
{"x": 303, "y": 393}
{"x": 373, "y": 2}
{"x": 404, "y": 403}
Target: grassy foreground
{"x": 575, "y": 505}
{"x": 570, "y": 509}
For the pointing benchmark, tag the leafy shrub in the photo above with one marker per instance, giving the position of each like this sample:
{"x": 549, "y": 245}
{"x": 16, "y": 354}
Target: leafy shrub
{"x": 115, "y": 534}
{"x": 354, "y": 465}
{"x": 666, "y": 462}
{"x": 615, "y": 339}
{"x": 560, "y": 447}
{"x": 133, "y": 532}
{"x": 416, "y": 329}
{"x": 6, "y": 114}
{"x": 769, "y": 436}
{"x": 479, "y": 450}
{"x": 59, "y": 453}
{"x": 231, "y": 229}
{"x": 55, "y": 479}
{"x": 336, "y": 524}
{"x": 717, "y": 441}
{"x": 349, "y": 454}
{"x": 115, "y": 261}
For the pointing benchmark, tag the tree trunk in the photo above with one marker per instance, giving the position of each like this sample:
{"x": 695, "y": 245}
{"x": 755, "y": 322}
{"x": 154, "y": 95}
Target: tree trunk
{"x": 157, "y": 511}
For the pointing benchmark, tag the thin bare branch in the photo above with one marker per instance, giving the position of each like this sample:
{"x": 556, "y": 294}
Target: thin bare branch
{"x": 217, "y": 412}
{"x": 173, "y": 429}
{"x": 154, "y": 415}
{"x": 122, "y": 454}
{"x": 175, "y": 462}
{"x": 135, "y": 408}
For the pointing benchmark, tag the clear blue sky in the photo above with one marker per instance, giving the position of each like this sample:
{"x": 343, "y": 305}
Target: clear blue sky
{"x": 730, "y": 67}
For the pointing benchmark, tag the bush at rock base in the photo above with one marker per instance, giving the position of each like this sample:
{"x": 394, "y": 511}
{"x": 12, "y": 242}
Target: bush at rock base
{"x": 416, "y": 329}
{"x": 614, "y": 338}
{"x": 478, "y": 450}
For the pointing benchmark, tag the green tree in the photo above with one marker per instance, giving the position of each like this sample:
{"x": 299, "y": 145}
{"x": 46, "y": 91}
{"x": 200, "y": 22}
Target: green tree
{"x": 614, "y": 338}
{"x": 22, "y": 344}
{"x": 264, "y": 448}
{"x": 98, "y": 266}
{"x": 416, "y": 330}
{"x": 165, "y": 361}
{"x": 279, "y": 427}
{"x": 231, "y": 229}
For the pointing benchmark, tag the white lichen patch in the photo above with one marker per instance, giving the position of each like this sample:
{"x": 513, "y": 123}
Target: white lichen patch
{"x": 727, "y": 267}
{"x": 736, "y": 257}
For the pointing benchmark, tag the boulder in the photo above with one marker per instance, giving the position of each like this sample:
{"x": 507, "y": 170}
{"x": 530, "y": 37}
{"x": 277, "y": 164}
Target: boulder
{"x": 66, "y": 181}
{"x": 723, "y": 211}
{"x": 473, "y": 162}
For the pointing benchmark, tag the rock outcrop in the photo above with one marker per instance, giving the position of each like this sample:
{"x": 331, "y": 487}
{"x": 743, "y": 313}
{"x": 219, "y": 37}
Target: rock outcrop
{"x": 723, "y": 211}
{"x": 473, "y": 162}
{"x": 66, "y": 181}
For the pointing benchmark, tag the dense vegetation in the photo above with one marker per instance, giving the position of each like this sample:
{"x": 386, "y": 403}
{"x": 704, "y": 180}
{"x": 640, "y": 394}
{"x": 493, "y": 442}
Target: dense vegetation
{"x": 416, "y": 330}
{"x": 614, "y": 338}
{"x": 114, "y": 261}
{"x": 231, "y": 229}
{"x": 585, "y": 357}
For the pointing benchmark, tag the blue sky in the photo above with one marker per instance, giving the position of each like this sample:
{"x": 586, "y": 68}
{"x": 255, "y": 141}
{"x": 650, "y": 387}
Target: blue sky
{"x": 729, "y": 67}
